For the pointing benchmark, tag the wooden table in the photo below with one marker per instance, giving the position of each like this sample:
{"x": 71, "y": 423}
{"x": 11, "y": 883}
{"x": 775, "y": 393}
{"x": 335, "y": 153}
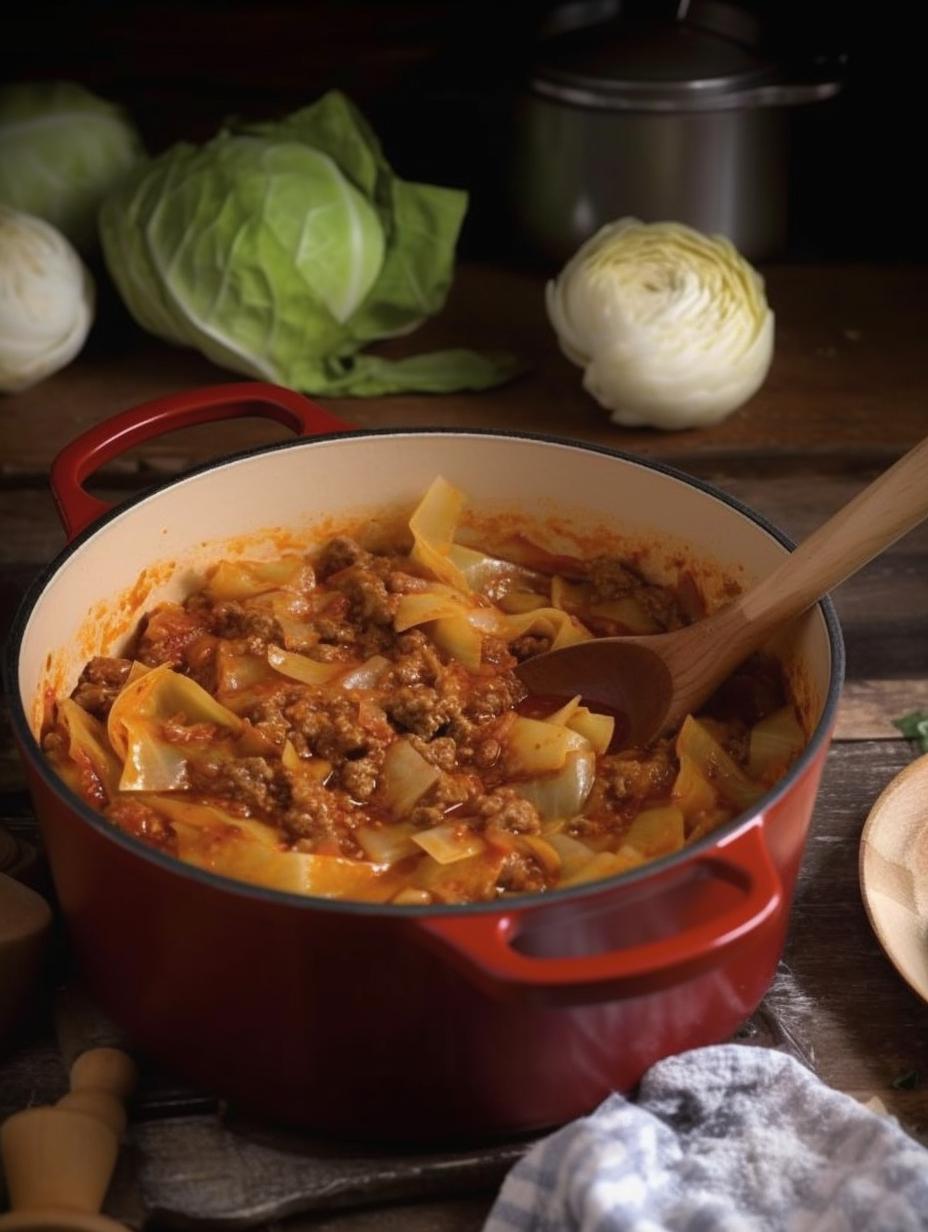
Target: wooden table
{"x": 847, "y": 394}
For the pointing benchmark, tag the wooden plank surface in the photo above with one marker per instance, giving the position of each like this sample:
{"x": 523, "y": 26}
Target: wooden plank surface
{"x": 847, "y": 395}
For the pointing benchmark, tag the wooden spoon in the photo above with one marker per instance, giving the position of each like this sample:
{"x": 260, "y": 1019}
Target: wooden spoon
{"x": 658, "y": 679}
{"x": 59, "y": 1160}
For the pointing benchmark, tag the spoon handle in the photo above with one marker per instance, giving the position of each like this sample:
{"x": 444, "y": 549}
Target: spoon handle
{"x": 878, "y": 516}
{"x": 707, "y": 651}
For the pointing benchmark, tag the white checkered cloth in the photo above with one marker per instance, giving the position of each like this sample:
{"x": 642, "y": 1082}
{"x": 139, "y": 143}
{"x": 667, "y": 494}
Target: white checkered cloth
{"x": 726, "y": 1139}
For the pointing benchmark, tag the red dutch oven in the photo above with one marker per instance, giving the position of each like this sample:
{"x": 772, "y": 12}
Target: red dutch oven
{"x": 402, "y": 1022}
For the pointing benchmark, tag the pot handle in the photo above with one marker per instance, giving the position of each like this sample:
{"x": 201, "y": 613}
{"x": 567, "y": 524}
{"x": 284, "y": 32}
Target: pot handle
{"x": 105, "y": 441}
{"x": 482, "y": 945}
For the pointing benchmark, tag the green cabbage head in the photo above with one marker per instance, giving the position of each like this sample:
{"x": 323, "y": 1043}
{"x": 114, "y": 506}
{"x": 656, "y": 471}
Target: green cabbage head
{"x": 61, "y": 151}
{"x": 280, "y": 250}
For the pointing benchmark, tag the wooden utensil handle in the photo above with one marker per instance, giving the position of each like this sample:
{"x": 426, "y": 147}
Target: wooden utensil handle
{"x": 879, "y": 515}
{"x": 61, "y": 1158}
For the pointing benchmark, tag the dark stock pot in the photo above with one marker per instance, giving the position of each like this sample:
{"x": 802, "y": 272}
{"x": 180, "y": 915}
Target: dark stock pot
{"x": 384, "y": 1021}
{"x": 665, "y": 113}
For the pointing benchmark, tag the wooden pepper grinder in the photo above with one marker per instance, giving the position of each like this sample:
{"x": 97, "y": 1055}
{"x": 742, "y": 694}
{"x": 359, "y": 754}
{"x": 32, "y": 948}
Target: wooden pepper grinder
{"x": 59, "y": 1159}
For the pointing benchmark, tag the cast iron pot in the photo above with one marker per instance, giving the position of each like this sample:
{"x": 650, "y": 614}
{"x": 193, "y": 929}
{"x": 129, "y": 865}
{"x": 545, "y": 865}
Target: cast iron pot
{"x": 398, "y": 1022}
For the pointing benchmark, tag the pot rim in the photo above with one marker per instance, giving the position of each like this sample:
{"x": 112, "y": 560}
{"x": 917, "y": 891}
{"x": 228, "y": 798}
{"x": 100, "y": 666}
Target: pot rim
{"x": 308, "y": 902}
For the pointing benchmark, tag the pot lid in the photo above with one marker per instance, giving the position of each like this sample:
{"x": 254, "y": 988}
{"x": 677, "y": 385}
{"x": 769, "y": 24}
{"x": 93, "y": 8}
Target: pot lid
{"x": 647, "y": 63}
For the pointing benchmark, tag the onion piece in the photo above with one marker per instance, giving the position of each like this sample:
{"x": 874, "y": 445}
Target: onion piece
{"x": 546, "y": 852}
{"x": 316, "y": 769}
{"x": 775, "y": 741}
{"x": 551, "y": 622}
{"x": 692, "y": 791}
{"x": 411, "y": 897}
{"x": 405, "y": 778}
{"x": 656, "y": 832}
{"x": 240, "y": 671}
{"x": 300, "y": 667}
{"x": 566, "y": 712}
{"x": 465, "y": 881}
{"x": 387, "y": 844}
{"x": 519, "y": 601}
{"x": 458, "y": 638}
{"x": 449, "y": 842}
{"x": 424, "y": 606}
{"x": 243, "y": 579}
{"x": 605, "y": 864}
{"x": 87, "y": 742}
{"x": 626, "y": 611}
{"x": 432, "y": 525}
{"x": 573, "y": 854}
{"x": 597, "y": 728}
{"x": 367, "y": 675}
{"x": 696, "y": 741}
{"x": 536, "y": 747}
{"x": 135, "y": 728}
{"x": 561, "y": 796}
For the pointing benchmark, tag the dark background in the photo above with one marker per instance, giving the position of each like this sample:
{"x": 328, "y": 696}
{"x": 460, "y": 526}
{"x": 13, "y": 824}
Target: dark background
{"x": 437, "y": 80}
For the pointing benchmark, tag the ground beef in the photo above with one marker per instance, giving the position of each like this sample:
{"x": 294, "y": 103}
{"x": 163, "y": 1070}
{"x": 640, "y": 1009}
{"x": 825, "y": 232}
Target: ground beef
{"x": 633, "y": 776}
{"x": 359, "y": 778}
{"x": 611, "y": 579}
{"x": 416, "y": 661}
{"x": 487, "y": 753}
{"x": 399, "y": 583}
{"x": 521, "y": 873}
{"x": 136, "y": 818}
{"x": 505, "y": 809}
{"x": 99, "y": 683}
{"x": 490, "y": 697}
{"x": 441, "y": 752}
{"x": 452, "y": 790}
{"x": 340, "y": 553}
{"x": 330, "y": 727}
{"x": 369, "y": 600}
{"x": 257, "y": 628}
{"x": 425, "y": 816}
{"x": 661, "y": 606}
{"x": 252, "y": 782}
{"x": 167, "y": 631}
{"x": 320, "y": 819}
{"x": 420, "y": 709}
{"x": 528, "y": 645}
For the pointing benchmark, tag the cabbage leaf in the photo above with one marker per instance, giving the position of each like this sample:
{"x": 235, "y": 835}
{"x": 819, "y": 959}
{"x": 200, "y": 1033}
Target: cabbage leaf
{"x": 280, "y": 250}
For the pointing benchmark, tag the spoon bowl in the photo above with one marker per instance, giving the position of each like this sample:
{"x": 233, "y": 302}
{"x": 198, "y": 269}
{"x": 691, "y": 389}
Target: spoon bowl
{"x": 654, "y": 681}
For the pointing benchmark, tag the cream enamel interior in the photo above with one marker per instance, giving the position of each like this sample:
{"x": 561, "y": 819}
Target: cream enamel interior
{"x": 308, "y": 487}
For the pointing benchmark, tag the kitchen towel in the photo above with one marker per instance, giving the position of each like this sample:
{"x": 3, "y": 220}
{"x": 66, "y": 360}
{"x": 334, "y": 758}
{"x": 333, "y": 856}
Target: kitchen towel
{"x": 726, "y": 1139}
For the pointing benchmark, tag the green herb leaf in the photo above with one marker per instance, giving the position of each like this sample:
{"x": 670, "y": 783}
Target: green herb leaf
{"x": 914, "y": 726}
